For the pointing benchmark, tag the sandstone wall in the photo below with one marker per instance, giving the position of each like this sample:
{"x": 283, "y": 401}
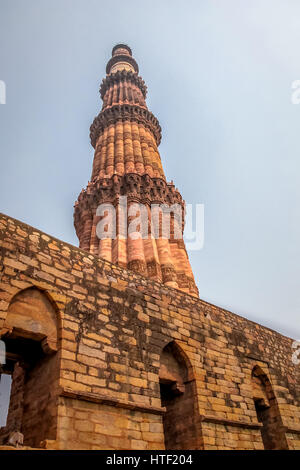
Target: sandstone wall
{"x": 113, "y": 326}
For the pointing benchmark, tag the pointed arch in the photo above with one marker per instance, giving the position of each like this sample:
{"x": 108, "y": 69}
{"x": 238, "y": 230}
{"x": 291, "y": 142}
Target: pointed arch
{"x": 175, "y": 364}
{"x": 267, "y": 410}
{"x": 179, "y": 397}
{"x": 30, "y": 333}
{"x": 33, "y": 314}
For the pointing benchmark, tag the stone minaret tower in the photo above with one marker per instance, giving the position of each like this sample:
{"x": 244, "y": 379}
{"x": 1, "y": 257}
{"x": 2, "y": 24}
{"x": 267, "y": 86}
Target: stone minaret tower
{"x": 126, "y": 136}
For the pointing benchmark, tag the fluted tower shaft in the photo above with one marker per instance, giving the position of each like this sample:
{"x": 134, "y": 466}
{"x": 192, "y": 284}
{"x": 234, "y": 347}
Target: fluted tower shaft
{"x": 126, "y": 136}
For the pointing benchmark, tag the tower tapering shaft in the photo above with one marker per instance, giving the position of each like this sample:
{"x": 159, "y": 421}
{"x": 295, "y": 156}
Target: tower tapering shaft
{"x": 126, "y": 136}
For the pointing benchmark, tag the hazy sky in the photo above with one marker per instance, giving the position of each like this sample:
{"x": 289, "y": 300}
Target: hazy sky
{"x": 219, "y": 77}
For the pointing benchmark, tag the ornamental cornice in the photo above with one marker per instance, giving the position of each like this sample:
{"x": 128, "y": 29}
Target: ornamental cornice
{"x": 119, "y": 58}
{"x": 138, "y": 188}
{"x": 122, "y": 75}
{"x": 124, "y": 112}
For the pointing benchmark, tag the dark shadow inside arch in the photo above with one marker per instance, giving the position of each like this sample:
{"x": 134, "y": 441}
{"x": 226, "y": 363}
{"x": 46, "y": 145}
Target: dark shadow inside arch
{"x": 178, "y": 396}
{"x": 267, "y": 410}
{"x": 30, "y": 335}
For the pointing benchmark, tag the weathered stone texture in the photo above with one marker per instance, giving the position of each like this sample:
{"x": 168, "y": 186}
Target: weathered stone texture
{"x": 118, "y": 343}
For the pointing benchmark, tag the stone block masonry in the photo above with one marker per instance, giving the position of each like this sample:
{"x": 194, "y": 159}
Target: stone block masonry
{"x": 104, "y": 358}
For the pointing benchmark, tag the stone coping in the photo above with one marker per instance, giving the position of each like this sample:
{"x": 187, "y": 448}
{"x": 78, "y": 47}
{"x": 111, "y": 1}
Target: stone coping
{"x": 102, "y": 399}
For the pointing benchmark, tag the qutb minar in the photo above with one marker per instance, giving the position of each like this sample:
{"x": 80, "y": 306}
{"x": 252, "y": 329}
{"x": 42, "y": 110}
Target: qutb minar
{"x": 126, "y": 136}
{"x": 108, "y": 345}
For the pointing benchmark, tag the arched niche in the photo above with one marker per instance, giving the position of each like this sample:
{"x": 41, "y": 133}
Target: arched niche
{"x": 30, "y": 334}
{"x": 32, "y": 315}
{"x": 267, "y": 410}
{"x": 178, "y": 396}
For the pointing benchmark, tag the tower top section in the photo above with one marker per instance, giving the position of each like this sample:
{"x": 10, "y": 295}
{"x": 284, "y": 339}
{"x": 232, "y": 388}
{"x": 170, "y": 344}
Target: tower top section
{"x": 121, "y": 60}
{"x": 127, "y": 163}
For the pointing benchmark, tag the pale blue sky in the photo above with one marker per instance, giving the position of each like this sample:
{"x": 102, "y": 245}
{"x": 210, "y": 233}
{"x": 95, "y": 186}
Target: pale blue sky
{"x": 219, "y": 77}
